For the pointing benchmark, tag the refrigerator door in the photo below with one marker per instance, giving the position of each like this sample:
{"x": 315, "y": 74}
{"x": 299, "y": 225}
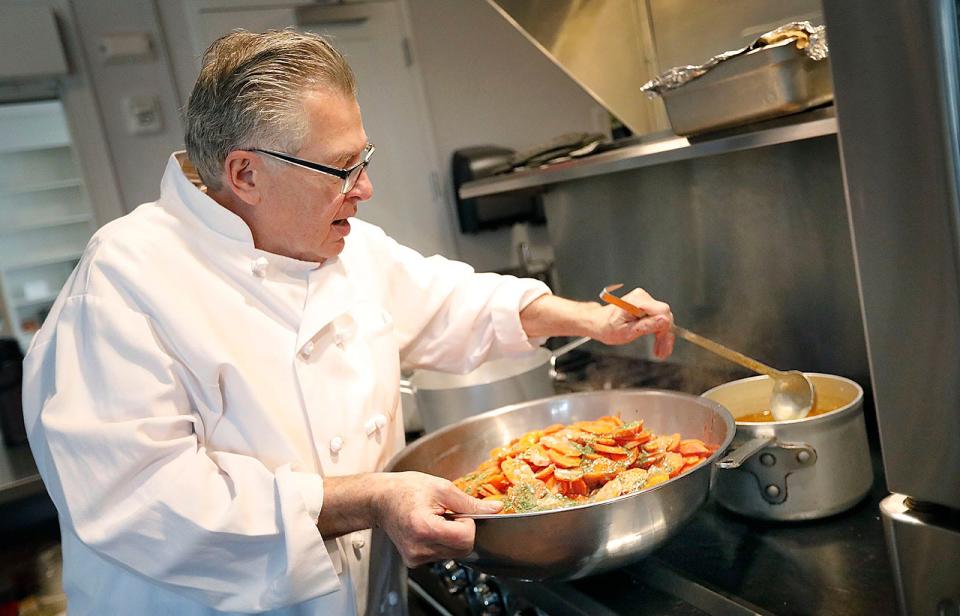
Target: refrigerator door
{"x": 895, "y": 71}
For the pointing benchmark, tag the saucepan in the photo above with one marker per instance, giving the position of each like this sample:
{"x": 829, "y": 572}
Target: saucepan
{"x": 444, "y": 398}
{"x": 586, "y": 539}
{"x": 799, "y": 469}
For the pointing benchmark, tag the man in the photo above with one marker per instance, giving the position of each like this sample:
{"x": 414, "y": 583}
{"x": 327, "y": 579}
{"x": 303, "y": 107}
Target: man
{"x": 216, "y": 389}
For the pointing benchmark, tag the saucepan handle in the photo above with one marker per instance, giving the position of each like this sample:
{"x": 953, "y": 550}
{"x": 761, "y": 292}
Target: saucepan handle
{"x": 740, "y": 455}
{"x": 555, "y": 355}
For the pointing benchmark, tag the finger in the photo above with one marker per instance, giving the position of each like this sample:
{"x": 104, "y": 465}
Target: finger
{"x": 663, "y": 345}
{"x": 457, "y": 534}
{"x": 645, "y": 302}
{"x": 460, "y": 502}
{"x": 649, "y": 325}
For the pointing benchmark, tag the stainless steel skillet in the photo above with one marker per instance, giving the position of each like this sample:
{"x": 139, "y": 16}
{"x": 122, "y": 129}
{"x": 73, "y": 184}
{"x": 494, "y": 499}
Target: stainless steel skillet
{"x": 578, "y": 541}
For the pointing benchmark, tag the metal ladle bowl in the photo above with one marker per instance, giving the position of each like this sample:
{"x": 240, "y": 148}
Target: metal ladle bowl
{"x": 793, "y": 395}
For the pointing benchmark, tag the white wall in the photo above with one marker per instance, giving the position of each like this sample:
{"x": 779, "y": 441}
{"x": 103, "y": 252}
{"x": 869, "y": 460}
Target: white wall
{"x": 138, "y": 159}
{"x": 486, "y": 84}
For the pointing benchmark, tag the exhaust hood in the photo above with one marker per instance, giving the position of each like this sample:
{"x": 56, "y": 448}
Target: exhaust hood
{"x": 612, "y": 47}
{"x": 606, "y": 46}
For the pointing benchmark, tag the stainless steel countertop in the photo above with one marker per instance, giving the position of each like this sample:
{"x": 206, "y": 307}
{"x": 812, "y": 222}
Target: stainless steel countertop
{"x": 661, "y": 148}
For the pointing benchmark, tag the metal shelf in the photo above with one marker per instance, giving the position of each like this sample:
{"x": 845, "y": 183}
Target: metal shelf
{"x": 41, "y": 261}
{"x": 63, "y": 221}
{"x": 40, "y": 186}
{"x": 660, "y": 149}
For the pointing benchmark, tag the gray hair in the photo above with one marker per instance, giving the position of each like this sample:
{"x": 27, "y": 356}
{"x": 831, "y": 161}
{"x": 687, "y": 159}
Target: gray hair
{"x": 249, "y": 93}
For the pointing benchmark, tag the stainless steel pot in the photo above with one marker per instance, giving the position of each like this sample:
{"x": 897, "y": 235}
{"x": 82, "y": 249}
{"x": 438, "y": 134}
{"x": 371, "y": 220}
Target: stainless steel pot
{"x": 571, "y": 543}
{"x": 801, "y": 469}
{"x": 443, "y": 398}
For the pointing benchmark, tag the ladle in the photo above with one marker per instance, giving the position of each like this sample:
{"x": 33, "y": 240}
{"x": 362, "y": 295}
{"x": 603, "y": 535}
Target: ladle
{"x": 793, "y": 394}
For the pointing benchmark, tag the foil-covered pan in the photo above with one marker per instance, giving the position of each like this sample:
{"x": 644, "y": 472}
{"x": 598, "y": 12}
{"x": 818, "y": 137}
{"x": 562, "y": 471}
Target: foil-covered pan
{"x": 784, "y": 71}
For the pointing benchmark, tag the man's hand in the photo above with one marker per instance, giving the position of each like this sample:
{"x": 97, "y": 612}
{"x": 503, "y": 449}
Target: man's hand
{"x": 614, "y": 325}
{"x": 550, "y": 315}
{"x": 410, "y": 506}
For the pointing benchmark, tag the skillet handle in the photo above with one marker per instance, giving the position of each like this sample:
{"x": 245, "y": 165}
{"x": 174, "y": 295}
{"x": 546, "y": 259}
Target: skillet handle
{"x": 739, "y": 455}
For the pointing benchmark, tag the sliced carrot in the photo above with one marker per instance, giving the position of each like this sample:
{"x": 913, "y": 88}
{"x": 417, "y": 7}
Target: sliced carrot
{"x": 544, "y": 473}
{"x": 601, "y": 471}
{"x": 560, "y": 445}
{"x": 565, "y": 474}
{"x": 625, "y": 434}
{"x": 649, "y": 460}
{"x": 574, "y": 488}
{"x": 607, "y": 449}
{"x": 613, "y": 419}
{"x": 552, "y": 429}
{"x": 563, "y": 461}
{"x": 692, "y": 446}
{"x": 655, "y": 479}
{"x": 598, "y": 428}
{"x": 499, "y": 481}
{"x": 673, "y": 462}
{"x": 536, "y": 455}
{"x": 516, "y": 471}
{"x": 610, "y": 489}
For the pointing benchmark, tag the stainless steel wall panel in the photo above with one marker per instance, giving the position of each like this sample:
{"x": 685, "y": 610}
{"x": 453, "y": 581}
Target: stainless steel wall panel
{"x": 751, "y": 248}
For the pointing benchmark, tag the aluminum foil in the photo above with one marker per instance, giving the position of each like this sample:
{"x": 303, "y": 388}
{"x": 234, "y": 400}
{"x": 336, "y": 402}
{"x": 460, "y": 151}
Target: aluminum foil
{"x": 810, "y": 40}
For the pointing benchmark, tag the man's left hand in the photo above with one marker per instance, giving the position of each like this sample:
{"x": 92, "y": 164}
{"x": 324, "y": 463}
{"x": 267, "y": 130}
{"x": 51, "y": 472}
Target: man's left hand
{"x": 613, "y": 325}
{"x": 549, "y": 315}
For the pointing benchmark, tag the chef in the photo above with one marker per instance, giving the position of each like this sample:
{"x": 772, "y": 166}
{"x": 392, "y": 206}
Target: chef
{"x": 214, "y": 394}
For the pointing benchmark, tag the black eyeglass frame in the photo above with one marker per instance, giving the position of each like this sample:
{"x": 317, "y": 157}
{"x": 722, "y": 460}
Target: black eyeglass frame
{"x": 337, "y": 172}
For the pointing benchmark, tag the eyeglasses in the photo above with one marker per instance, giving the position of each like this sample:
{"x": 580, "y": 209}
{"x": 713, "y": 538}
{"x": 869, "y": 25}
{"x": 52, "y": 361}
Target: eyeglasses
{"x": 350, "y": 175}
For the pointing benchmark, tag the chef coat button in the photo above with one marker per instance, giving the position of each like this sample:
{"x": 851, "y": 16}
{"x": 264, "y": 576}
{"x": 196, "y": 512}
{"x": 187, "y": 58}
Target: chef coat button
{"x": 307, "y": 349}
{"x": 358, "y": 542}
{"x": 380, "y": 421}
{"x": 259, "y": 267}
{"x": 370, "y": 427}
{"x": 336, "y": 444}
{"x": 393, "y": 598}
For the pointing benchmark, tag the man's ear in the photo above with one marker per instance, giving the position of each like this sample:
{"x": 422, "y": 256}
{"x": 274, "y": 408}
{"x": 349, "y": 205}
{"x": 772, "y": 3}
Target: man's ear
{"x": 243, "y": 175}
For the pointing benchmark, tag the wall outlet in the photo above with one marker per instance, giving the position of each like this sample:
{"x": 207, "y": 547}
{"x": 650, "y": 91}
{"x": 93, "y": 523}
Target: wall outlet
{"x": 142, "y": 114}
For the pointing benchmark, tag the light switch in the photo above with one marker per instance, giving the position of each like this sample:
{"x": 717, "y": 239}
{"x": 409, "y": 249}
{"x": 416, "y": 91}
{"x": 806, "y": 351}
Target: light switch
{"x": 142, "y": 114}
{"x": 123, "y": 47}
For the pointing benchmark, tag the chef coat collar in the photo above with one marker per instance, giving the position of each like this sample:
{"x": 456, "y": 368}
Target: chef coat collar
{"x": 181, "y": 179}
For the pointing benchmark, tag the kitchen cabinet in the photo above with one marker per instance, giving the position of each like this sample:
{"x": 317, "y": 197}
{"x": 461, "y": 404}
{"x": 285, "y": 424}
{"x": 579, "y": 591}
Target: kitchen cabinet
{"x": 45, "y": 215}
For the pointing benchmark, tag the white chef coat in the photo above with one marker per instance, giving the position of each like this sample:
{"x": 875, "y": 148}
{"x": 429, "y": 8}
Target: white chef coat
{"x": 188, "y": 393}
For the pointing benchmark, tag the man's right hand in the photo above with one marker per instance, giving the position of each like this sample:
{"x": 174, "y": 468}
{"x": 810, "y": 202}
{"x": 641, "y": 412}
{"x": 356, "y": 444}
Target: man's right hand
{"x": 410, "y": 508}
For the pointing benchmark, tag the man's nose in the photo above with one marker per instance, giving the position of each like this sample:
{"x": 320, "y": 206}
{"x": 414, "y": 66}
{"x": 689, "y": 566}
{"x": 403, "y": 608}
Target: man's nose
{"x": 363, "y": 189}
